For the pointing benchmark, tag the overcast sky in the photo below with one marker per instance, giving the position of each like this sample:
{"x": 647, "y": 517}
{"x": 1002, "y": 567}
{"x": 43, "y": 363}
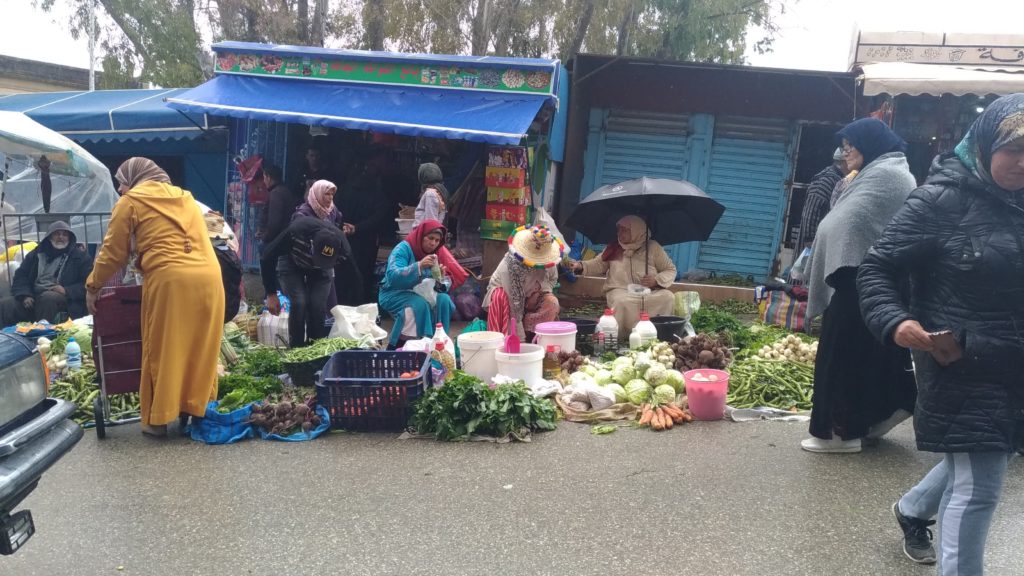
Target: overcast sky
{"x": 814, "y": 34}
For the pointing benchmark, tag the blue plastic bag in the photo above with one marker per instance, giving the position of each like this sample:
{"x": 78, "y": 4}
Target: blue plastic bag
{"x": 300, "y": 436}
{"x": 217, "y": 428}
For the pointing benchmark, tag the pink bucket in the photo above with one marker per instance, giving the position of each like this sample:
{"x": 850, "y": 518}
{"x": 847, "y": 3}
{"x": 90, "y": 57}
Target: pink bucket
{"x": 561, "y": 334}
{"x": 707, "y": 398}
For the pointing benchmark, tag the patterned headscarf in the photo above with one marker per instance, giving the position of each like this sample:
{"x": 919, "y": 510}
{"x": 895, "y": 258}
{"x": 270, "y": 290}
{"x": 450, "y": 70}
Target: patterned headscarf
{"x": 317, "y": 198}
{"x": 136, "y": 170}
{"x": 1000, "y": 124}
{"x": 872, "y": 138}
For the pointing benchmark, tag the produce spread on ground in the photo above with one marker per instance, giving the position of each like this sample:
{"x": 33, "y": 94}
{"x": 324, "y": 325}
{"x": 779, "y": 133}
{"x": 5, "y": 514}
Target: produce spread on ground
{"x": 767, "y": 366}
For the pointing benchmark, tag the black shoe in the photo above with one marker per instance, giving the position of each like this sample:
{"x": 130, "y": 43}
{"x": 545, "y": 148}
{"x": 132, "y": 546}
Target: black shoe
{"x": 917, "y": 537}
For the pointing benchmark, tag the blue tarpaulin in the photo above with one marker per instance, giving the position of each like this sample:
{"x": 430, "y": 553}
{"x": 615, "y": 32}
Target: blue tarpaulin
{"x": 496, "y": 118}
{"x": 108, "y": 115}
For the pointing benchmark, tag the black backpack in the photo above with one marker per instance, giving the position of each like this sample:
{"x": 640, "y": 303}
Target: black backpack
{"x": 231, "y": 275}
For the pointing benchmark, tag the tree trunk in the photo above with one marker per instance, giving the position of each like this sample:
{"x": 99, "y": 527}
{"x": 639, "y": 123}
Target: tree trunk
{"x": 502, "y": 29}
{"x": 628, "y": 21}
{"x": 317, "y": 31}
{"x": 373, "y": 15}
{"x": 581, "y": 30}
{"x": 302, "y": 24}
{"x": 481, "y": 34}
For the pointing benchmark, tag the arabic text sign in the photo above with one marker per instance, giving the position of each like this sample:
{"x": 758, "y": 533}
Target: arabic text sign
{"x": 1002, "y": 56}
{"x": 467, "y": 78}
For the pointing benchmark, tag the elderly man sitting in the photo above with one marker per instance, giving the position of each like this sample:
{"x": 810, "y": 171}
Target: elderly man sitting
{"x": 50, "y": 283}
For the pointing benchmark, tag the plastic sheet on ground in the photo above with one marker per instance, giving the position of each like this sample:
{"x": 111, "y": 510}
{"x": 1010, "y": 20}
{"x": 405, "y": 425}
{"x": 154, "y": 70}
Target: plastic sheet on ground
{"x": 524, "y": 435}
{"x": 765, "y": 413}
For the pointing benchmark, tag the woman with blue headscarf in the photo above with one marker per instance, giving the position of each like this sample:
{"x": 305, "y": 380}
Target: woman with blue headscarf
{"x": 960, "y": 239}
{"x": 862, "y": 388}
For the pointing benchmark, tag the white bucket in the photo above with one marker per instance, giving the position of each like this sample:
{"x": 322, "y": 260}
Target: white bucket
{"x": 561, "y": 334}
{"x": 477, "y": 353}
{"x": 526, "y": 366}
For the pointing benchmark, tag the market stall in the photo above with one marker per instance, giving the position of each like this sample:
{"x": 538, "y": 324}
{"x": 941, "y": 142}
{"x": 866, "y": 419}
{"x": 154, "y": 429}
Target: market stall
{"x": 348, "y": 107}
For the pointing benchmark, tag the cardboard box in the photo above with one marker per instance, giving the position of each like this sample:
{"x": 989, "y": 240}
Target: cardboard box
{"x": 496, "y": 229}
{"x": 506, "y": 177}
{"x": 507, "y": 157}
{"x": 520, "y": 196}
{"x": 507, "y": 212}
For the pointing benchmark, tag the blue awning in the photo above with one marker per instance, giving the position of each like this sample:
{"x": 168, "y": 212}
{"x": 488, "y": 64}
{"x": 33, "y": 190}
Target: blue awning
{"x": 113, "y": 115}
{"x": 411, "y": 111}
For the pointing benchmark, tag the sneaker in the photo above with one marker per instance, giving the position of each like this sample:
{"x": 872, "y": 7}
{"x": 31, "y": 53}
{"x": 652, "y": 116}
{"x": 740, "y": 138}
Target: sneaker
{"x": 883, "y": 427}
{"x": 917, "y": 537}
{"x": 832, "y": 446}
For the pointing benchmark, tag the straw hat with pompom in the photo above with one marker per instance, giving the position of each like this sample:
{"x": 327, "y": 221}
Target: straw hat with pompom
{"x": 536, "y": 246}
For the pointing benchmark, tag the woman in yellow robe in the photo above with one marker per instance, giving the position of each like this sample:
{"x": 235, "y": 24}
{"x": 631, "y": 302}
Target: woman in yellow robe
{"x": 182, "y": 292}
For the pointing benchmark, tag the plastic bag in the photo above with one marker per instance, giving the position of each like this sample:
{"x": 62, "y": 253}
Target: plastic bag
{"x": 356, "y": 322}
{"x": 425, "y": 290}
{"x": 300, "y": 436}
{"x": 687, "y": 303}
{"x": 796, "y": 272}
{"x": 217, "y": 428}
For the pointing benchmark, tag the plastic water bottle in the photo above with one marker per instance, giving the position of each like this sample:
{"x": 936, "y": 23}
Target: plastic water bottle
{"x": 74, "y": 353}
{"x": 646, "y": 329}
{"x": 608, "y": 326}
{"x": 440, "y": 336}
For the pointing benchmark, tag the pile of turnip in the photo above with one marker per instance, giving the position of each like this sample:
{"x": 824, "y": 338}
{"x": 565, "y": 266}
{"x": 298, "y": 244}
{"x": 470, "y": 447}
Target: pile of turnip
{"x": 701, "y": 351}
{"x": 790, "y": 348}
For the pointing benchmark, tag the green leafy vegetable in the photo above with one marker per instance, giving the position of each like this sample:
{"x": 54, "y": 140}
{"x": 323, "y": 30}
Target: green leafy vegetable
{"x": 603, "y": 429}
{"x": 465, "y": 406}
{"x": 259, "y": 361}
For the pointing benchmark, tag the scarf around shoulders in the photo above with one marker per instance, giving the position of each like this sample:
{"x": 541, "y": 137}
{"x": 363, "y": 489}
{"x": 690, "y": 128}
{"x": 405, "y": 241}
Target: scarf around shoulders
{"x": 855, "y": 223}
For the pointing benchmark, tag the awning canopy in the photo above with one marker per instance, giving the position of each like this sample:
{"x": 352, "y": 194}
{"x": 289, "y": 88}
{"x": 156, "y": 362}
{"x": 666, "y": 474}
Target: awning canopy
{"x": 112, "y": 115}
{"x": 496, "y": 118}
{"x": 895, "y": 78}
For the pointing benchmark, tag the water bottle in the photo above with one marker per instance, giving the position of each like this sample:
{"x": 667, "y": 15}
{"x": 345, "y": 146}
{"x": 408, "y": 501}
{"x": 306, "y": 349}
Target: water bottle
{"x": 608, "y": 326}
{"x": 74, "y": 353}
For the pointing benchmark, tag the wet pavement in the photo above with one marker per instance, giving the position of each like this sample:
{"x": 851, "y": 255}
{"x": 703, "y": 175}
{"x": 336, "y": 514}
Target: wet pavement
{"x": 704, "y": 499}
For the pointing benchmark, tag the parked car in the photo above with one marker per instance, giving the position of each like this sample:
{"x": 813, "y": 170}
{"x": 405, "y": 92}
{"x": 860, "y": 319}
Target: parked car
{"x": 35, "y": 432}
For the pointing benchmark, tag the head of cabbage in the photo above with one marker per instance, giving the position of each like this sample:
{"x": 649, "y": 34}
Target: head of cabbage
{"x": 620, "y": 393}
{"x": 664, "y": 394}
{"x": 604, "y": 377}
{"x": 623, "y": 373}
{"x": 674, "y": 378}
{"x": 582, "y": 379}
{"x": 638, "y": 391}
{"x": 656, "y": 374}
{"x": 643, "y": 363}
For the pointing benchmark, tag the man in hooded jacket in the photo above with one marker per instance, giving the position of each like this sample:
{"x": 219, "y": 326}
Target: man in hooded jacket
{"x": 50, "y": 283}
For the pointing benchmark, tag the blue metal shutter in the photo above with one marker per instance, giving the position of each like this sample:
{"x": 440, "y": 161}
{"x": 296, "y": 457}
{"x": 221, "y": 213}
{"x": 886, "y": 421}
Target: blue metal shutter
{"x": 750, "y": 165}
{"x": 629, "y": 144}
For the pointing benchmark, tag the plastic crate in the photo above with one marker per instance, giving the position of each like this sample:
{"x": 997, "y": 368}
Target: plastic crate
{"x": 363, "y": 391}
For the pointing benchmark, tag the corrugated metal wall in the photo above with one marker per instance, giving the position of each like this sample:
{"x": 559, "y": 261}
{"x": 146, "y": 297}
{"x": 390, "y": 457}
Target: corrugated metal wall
{"x": 744, "y": 163}
{"x": 750, "y": 164}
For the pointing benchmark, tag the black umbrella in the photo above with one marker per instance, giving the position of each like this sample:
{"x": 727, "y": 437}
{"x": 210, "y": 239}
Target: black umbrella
{"x": 675, "y": 210}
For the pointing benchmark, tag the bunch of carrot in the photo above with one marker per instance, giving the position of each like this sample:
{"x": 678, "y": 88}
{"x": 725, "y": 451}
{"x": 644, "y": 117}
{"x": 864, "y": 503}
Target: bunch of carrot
{"x": 663, "y": 416}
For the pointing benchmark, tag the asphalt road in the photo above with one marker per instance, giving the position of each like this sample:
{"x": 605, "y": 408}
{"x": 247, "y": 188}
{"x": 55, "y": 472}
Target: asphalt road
{"x": 704, "y": 499}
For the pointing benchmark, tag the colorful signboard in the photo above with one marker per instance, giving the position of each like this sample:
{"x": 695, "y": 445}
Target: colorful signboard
{"x": 505, "y": 79}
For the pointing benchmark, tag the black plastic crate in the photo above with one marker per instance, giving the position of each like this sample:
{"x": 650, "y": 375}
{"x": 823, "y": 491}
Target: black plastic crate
{"x": 304, "y": 373}
{"x": 363, "y": 389}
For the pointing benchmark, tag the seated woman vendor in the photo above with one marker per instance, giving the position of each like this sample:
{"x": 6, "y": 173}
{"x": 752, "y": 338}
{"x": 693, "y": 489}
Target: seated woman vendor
{"x": 521, "y": 286}
{"x": 624, "y": 263}
{"x": 411, "y": 262}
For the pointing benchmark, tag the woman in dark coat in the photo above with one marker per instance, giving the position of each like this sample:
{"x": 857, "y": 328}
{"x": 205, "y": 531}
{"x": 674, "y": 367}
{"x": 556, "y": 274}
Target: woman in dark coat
{"x": 961, "y": 239}
{"x": 862, "y": 388}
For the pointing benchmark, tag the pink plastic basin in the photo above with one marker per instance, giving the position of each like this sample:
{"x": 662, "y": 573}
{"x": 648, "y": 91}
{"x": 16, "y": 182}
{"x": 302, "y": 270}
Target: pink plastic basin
{"x": 707, "y": 399}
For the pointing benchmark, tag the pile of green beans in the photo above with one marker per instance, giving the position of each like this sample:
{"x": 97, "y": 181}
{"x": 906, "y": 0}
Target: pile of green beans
{"x": 785, "y": 385}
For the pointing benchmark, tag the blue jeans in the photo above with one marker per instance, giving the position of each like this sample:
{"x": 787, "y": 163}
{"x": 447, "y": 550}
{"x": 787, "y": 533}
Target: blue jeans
{"x": 962, "y": 491}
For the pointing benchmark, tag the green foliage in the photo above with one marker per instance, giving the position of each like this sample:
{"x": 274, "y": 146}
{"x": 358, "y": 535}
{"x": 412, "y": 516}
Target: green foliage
{"x": 465, "y": 406}
{"x": 711, "y": 320}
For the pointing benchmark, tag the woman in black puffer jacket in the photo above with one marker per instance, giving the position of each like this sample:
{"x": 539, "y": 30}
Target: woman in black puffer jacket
{"x": 960, "y": 237}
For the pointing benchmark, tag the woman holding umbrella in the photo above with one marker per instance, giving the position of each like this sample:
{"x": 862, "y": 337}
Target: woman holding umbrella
{"x": 633, "y": 259}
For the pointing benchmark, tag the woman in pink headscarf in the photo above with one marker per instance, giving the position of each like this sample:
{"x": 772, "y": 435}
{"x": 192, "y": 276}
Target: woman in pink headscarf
{"x": 319, "y": 204}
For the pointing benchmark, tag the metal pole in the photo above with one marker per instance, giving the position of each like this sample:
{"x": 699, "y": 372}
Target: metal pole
{"x": 3, "y": 216}
{"x": 92, "y": 45}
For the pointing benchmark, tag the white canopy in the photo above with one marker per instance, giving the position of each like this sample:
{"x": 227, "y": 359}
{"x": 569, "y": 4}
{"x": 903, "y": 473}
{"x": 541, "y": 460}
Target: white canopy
{"x": 895, "y": 78}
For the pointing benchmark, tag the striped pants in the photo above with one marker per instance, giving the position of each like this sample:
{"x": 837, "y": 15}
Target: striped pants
{"x": 962, "y": 490}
